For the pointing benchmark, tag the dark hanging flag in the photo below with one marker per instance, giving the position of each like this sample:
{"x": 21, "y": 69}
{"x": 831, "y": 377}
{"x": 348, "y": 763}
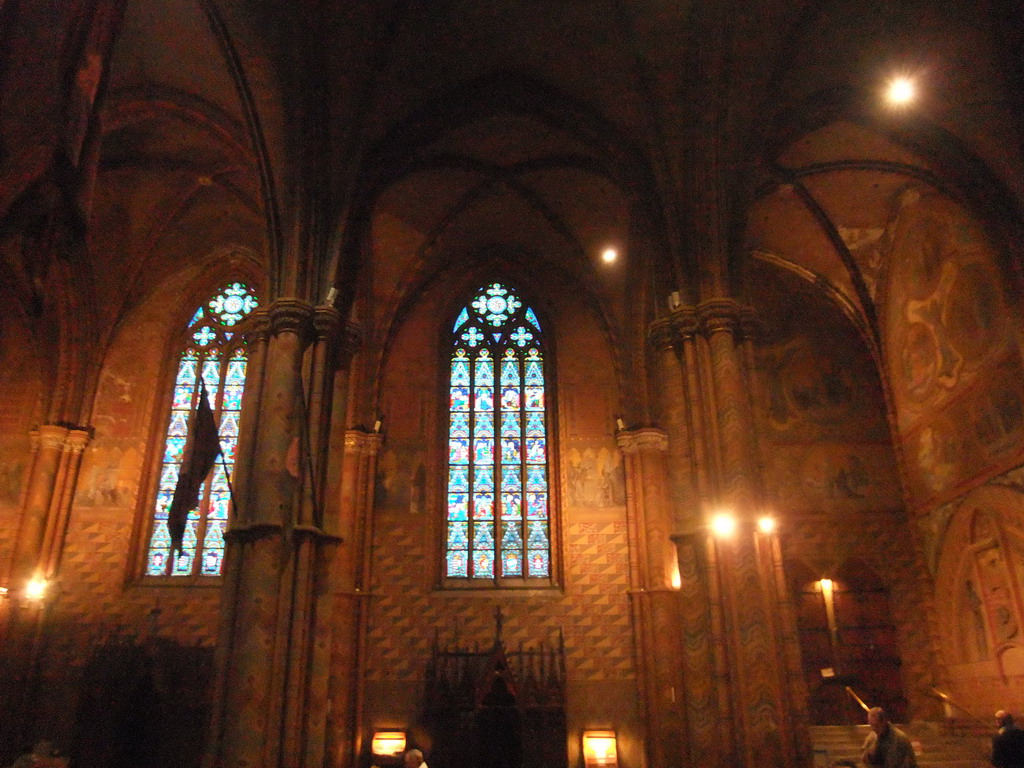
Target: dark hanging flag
{"x": 201, "y": 448}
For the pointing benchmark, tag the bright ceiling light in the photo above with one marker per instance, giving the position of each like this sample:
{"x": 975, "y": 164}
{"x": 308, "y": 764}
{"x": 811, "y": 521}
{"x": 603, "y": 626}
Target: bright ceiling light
{"x": 766, "y": 524}
{"x": 901, "y": 91}
{"x": 609, "y": 255}
{"x": 723, "y": 525}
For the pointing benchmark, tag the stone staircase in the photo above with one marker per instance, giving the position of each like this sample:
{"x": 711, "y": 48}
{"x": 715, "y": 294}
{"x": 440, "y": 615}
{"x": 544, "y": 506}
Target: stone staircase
{"x": 938, "y": 745}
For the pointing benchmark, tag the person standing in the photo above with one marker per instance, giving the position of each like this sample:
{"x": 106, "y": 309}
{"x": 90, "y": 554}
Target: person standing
{"x": 1008, "y": 743}
{"x": 887, "y": 745}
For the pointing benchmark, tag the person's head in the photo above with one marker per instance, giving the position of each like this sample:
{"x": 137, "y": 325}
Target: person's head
{"x": 1004, "y": 718}
{"x": 413, "y": 758}
{"x": 878, "y": 720}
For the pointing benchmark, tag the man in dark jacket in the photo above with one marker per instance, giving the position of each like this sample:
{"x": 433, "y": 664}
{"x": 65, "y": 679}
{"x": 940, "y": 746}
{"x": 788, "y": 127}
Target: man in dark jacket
{"x": 1008, "y": 743}
{"x": 887, "y": 746}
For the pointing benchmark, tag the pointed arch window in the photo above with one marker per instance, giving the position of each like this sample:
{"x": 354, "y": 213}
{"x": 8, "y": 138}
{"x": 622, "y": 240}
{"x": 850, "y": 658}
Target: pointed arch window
{"x": 214, "y": 351}
{"x": 498, "y": 492}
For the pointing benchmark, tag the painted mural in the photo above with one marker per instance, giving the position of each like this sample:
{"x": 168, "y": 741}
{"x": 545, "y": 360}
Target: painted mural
{"x": 822, "y": 406}
{"x": 981, "y": 566}
{"x": 953, "y": 356}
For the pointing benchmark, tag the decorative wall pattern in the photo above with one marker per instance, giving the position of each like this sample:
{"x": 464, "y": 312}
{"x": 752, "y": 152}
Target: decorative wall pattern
{"x": 406, "y": 614}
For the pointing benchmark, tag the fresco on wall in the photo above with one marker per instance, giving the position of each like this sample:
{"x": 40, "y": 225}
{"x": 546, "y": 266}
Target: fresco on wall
{"x": 110, "y": 474}
{"x": 827, "y": 442}
{"x": 594, "y": 477}
{"x": 981, "y": 566}
{"x": 954, "y": 358}
{"x": 401, "y": 480}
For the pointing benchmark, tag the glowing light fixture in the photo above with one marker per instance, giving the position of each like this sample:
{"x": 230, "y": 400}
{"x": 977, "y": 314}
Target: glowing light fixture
{"x": 599, "y": 749}
{"x": 609, "y": 255}
{"x": 388, "y": 743}
{"x": 36, "y": 588}
{"x": 766, "y": 524}
{"x": 901, "y": 91}
{"x": 723, "y": 525}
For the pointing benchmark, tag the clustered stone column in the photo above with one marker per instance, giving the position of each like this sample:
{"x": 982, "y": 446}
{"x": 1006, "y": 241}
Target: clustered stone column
{"x": 350, "y": 591}
{"x": 45, "y": 506}
{"x": 738, "y": 639}
{"x": 653, "y": 599}
{"x": 46, "y": 501}
{"x": 270, "y": 705}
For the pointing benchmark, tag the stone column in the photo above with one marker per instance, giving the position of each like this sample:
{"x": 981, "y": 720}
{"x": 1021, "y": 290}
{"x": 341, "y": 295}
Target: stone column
{"x": 654, "y": 601}
{"x": 350, "y": 583}
{"x": 266, "y": 707}
{"x": 762, "y": 716}
{"x": 45, "y": 507}
{"x": 40, "y": 491}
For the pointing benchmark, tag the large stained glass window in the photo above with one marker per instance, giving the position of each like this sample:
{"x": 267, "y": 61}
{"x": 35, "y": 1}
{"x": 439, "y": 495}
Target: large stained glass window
{"x": 213, "y": 351}
{"x": 498, "y": 500}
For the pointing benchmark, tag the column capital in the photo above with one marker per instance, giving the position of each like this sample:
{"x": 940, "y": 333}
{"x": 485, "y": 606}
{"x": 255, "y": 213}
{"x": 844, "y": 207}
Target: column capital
{"x": 51, "y": 435}
{"x": 721, "y": 314}
{"x": 684, "y": 322}
{"x": 661, "y": 333}
{"x": 291, "y": 316}
{"x": 256, "y": 326}
{"x": 77, "y": 439}
{"x": 326, "y": 322}
{"x": 643, "y": 439}
{"x": 358, "y": 441}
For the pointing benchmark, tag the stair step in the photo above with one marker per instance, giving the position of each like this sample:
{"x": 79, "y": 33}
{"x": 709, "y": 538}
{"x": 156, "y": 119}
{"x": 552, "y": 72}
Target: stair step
{"x": 937, "y": 745}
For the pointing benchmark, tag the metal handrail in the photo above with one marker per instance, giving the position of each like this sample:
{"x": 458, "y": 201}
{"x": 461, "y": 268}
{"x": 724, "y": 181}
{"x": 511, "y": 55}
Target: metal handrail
{"x": 946, "y": 698}
{"x": 856, "y": 698}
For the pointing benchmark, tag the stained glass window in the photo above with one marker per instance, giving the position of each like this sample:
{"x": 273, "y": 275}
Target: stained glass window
{"x": 213, "y": 351}
{"x": 498, "y": 518}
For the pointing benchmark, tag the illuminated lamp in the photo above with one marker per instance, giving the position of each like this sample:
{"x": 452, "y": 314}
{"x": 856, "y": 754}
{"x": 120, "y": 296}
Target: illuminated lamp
{"x": 766, "y": 524}
{"x": 36, "y": 589}
{"x": 599, "y": 749}
{"x": 723, "y": 525}
{"x": 388, "y": 743}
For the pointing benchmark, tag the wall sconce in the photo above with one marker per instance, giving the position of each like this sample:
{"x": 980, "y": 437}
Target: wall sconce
{"x": 388, "y": 743}
{"x": 599, "y": 749}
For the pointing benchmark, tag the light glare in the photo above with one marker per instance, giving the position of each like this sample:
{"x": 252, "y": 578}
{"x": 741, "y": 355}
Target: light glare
{"x": 766, "y": 524}
{"x": 901, "y": 91}
{"x": 723, "y": 525}
{"x": 609, "y": 255}
{"x": 36, "y": 589}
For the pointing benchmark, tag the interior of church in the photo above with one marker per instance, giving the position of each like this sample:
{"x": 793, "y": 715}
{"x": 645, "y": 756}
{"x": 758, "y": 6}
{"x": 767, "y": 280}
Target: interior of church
{"x": 620, "y": 383}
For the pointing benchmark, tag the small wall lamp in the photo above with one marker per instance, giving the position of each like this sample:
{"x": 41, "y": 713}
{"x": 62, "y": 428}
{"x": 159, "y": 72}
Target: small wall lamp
{"x": 388, "y": 743}
{"x": 599, "y": 749}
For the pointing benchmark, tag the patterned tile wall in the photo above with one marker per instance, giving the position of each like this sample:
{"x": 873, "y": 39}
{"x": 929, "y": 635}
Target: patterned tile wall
{"x": 592, "y": 611}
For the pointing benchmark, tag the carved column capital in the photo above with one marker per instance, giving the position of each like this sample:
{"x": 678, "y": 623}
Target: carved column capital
{"x": 256, "y": 326}
{"x": 291, "y": 316}
{"x": 717, "y": 315}
{"x": 661, "y": 334}
{"x": 360, "y": 442}
{"x": 326, "y": 323}
{"x": 78, "y": 439}
{"x": 52, "y": 435}
{"x": 640, "y": 440}
{"x": 684, "y": 322}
